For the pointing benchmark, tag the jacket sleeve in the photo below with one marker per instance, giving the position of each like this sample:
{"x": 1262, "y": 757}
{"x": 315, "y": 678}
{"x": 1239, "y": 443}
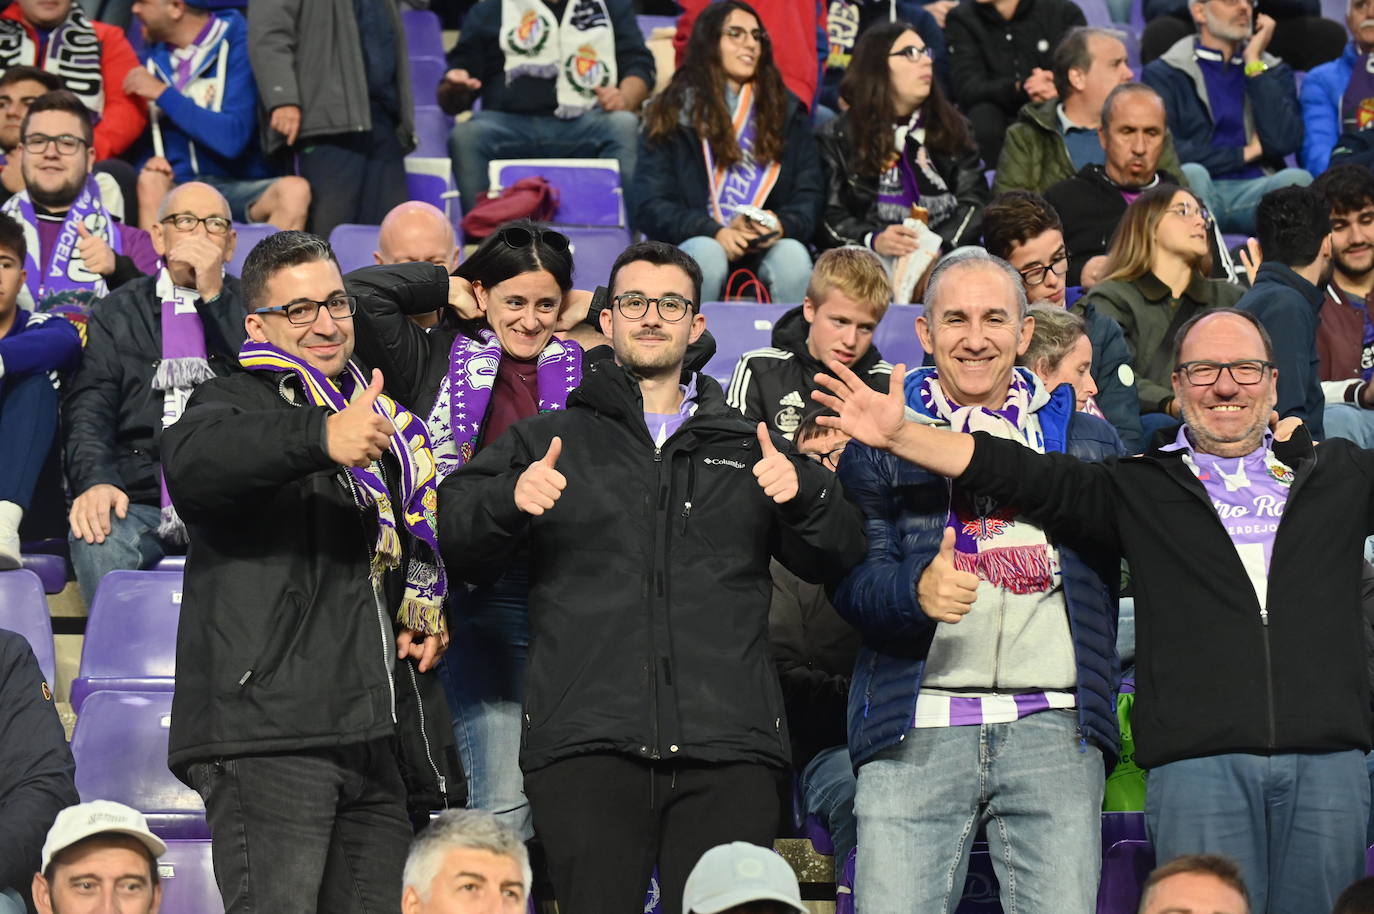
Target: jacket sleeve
{"x": 90, "y": 410}
{"x": 803, "y": 205}
{"x": 1018, "y": 167}
{"x": 972, "y": 82}
{"x": 1117, "y": 400}
{"x": 820, "y": 535}
{"x": 740, "y": 393}
{"x": 125, "y": 116}
{"x": 219, "y": 457}
{"x": 878, "y": 596}
{"x": 48, "y": 343}
{"x": 1192, "y": 134}
{"x": 632, "y": 56}
{"x": 36, "y": 767}
{"x": 228, "y": 131}
{"x": 1273, "y": 98}
{"x": 1148, "y": 392}
{"x": 1321, "y": 117}
{"x": 479, "y": 525}
{"x": 816, "y": 700}
{"x": 660, "y": 211}
{"x": 1292, "y": 333}
{"x": 841, "y": 225}
{"x": 1169, "y": 161}
{"x": 272, "y": 39}
{"x": 970, "y": 188}
{"x": 386, "y": 337}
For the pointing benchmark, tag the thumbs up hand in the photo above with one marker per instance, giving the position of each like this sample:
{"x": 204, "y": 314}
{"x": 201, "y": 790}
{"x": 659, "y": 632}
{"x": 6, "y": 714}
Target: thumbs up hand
{"x": 775, "y": 473}
{"x": 356, "y": 435}
{"x": 945, "y": 592}
{"x": 96, "y": 253}
{"x": 541, "y": 485}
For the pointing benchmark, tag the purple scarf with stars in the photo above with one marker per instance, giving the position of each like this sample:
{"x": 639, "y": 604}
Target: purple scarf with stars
{"x": 472, "y": 365}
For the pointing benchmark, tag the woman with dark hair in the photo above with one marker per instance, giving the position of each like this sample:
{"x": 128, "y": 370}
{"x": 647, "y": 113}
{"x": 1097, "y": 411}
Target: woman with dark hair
{"x": 727, "y": 168}
{"x": 472, "y": 379}
{"x": 899, "y": 152}
{"x": 1155, "y": 279}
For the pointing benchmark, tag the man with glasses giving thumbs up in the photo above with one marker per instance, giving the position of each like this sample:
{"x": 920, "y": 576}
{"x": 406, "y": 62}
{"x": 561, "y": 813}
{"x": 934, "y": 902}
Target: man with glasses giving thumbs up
{"x": 653, "y": 719}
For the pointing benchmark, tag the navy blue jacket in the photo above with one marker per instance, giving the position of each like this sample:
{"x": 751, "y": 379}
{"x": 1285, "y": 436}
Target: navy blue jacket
{"x": 39, "y": 342}
{"x": 1287, "y": 305}
{"x": 905, "y": 513}
{"x": 1115, "y": 396}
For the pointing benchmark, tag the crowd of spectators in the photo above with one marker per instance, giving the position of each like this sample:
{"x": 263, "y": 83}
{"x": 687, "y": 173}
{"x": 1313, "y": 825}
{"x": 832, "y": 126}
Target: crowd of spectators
{"x": 459, "y": 533}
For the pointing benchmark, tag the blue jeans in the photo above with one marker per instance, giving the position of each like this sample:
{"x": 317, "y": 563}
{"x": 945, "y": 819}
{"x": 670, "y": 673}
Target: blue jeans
{"x": 484, "y": 679}
{"x": 1295, "y": 822}
{"x": 1233, "y": 202}
{"x": 131, "y": 544}
{"x": 1125, "y": 636}
{"x": 241, "y": 194}
{"x": 785, "y": 268}
{"x": 827, "y": 789}
{"x": 28, "y": 422}
{"x": 921, "y": 801}
{"x": 10, "y": 902}
{"x": 1342, "y": 420}
{"x": 491, "y": 135}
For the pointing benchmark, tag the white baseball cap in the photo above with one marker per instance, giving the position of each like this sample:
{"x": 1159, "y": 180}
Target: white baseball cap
{"x": 77, "y": 823}
{"x": 735, "y": 873}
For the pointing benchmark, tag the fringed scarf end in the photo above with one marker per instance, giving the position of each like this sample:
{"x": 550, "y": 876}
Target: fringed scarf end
{"x": 1019, "y": 569}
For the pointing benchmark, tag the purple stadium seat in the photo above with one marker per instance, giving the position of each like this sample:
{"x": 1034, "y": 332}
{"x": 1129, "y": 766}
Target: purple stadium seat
{"x": 353, "y": 245}
{"x": 425, "y": 74}
{"x": 131, "y": 636}
{"x": 1127, "y": 858}
{"x": 844, "y": 886}
{"x": 896, "y": 336}
{"x": 430, "y": 178}
{"x": 819, "y": 836}
{"x": 1369, "y": 861}
{"x": 187, "y": 875}
{"x": 647, "y": 24}
{"x": 588, "y": 189}
{"x": 594, "y": 251}
{"x": 175, "y": 563}
{"x": 248, "y": 236}
{"x": 432, "y": 127}
{"x": 738, "y": 327}
{"x": 120, "y": 746}
{"x": 1097, "y": 14}
{"x": 51, "y": 569}
{"x": 424, "y": 33}
{"x": 24, "y": 609}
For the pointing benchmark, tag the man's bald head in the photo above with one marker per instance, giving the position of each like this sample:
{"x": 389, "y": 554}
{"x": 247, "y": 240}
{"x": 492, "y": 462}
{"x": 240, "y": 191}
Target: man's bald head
{"x": 194, "y": 197}
{"x": 417, "y": 231}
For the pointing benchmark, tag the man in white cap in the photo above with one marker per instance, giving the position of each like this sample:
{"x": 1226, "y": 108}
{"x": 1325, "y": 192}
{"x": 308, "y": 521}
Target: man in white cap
{"x": 741, "y": 878}
{"x": 99, "y": 856}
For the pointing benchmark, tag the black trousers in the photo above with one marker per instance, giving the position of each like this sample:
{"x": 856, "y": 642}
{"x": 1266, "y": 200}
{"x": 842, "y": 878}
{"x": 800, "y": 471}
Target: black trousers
{"x": 606, "y": 819}
{"x": 354, "y": 177}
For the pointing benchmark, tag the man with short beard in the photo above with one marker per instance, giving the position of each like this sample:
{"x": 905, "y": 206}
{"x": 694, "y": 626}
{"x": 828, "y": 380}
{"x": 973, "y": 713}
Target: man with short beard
{"x": 1233, "y": 110}
{"x": 1252, "y": 697}
{"x": 654, "y": 724}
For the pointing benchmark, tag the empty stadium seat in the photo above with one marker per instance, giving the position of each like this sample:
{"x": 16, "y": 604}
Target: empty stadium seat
{"x": 647, "y": 24}
{"x": 354, "y": 245}
{"x": 738, "y": 327}
{"x": 1097, "y": 14}
{"x": 131, "y": 636}
{"x": 425, "y": 74}
{"x": 175, "y": 563}
{"x": 589, "y": 190}
{"x": 432, "y": 127}
{"x": 430, "y": 178}
{"x": 1127, "y": 858}
{"x": 50, "y": 568}
{"x": 248, "y": 236}
{"x": 896, "y": 336}
{"x": 24, "y": 609}
{"x": 424, "y": 33}
{"x": 120, "y": 746}
{"x": 594, "y": 252}
{"x": 187, "y": 875}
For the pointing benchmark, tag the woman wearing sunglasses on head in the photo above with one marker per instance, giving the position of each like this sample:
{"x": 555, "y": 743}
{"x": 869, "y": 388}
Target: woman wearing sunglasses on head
{"x": 728, "y": 168}
{"x": 1155, "y": 279}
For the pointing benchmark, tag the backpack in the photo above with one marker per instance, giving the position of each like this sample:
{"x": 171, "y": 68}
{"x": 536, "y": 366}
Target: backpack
{"x": 531, "y": 197}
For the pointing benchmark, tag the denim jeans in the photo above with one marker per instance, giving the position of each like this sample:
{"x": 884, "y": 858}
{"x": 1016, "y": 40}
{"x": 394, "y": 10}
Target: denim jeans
{"x": 484, "y": 680}
{"x": 28, "y": 421}
{"x": 131, "y": 544}
{"x": 1294, "y": 822}
{"x": 491, "y": 135}
{"x": 827, "y": 789}
{"x": 785, "y": 268}
{"x": 318, "y": 831}
{"x": 1039, "y": 792}
{"x": 1343, "y": 420}
{"x": 1233, "y": 202}
{"x": 10, "y": 902}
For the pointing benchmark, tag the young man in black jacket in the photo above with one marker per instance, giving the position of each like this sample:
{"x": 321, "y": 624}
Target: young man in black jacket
{"x": 654, "y": 725}
{"x": 1252, "y": 700}
{"x": 310, "y": 587}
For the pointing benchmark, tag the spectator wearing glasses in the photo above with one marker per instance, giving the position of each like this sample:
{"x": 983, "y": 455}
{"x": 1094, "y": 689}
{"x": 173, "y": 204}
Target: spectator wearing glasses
{"x": 149, "y": 344}
{"x": 1289, "y": 292}
{"x": 77, "y": 252}
{"x": 899, "y": 152}
{"x": 1154, "y": 280}
{"x": 1232, "y": 108}
{"x": 728, "y": 168}
{"x": 653, "y": 725}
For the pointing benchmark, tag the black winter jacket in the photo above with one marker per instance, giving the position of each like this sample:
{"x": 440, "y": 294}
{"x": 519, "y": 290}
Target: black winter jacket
{"x": 112, "y": 415}
{"x": 650, "y": 585}
{"x": 989, "y": 57}
{"x": 1215, "y": 671}
{"x": 851, "y": 199}
{"x": 283, "y": 644}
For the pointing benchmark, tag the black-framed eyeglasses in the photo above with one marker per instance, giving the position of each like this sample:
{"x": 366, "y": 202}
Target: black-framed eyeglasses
{"x": 1034, "y": 276}
{"x": 672, "y": 308}
{"x": 518, "y": 237}
{"x": 913, "y": 53}
{"x": 37, "y": 143}
{"x": 304, "y": 311}
{"x": 1203, "y": 373}
{"x": 186, "y": 222}
{"x": 737, "y": 33}
{"x": 830, "y": 458}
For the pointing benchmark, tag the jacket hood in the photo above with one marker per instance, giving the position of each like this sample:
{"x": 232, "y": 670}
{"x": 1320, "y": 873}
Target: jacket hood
{"x": 609, "y": 388}
{"x": 790, "y": 334}
{"x": 1044, "y": 115}
{"x": 1054, "y": 408}
{"x": 1097, "y": 174}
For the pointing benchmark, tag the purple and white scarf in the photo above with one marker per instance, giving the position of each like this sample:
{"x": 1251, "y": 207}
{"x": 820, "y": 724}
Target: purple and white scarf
{"x": 73, "y": 56}
{"x": 472, "y": 367}
{"x": 748, "y": 182}
{"x": 988, "y": 539}
{"x": 183, "y": 366}
{"x": 65, "y": 271}
{"x": 904, "y": 184}
{"x": 422, "y": 607}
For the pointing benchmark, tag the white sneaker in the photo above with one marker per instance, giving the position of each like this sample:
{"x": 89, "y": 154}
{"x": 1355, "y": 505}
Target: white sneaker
{"x": 10, "y": 516}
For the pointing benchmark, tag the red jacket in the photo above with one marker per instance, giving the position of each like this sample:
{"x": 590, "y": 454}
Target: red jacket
{"x": 124, "y": 116}
{"x": 794, "y": 26}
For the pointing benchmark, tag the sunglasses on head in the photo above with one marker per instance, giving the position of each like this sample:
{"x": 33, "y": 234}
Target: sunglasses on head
{"x": 518, "y": 237}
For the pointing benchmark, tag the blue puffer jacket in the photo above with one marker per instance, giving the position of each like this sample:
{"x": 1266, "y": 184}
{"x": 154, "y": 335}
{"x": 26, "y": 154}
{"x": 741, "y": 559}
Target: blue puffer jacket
{"x": 1321, "y": 108}
{"x": 905, "y": 510}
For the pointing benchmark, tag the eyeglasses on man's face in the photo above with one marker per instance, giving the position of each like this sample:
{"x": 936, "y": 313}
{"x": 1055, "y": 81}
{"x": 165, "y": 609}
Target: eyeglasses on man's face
{"x": 1204, "y": 373}
{"x": 304, "y": 311}
{"x": 186, "y": 222}
{"x": 37, "y": 143}
{"x": 672, "y": 308}
{"x": 1034, "y": 276}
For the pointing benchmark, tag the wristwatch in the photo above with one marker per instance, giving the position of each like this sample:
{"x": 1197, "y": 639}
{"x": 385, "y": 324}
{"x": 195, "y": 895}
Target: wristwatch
{"x": 1255, "y": 67}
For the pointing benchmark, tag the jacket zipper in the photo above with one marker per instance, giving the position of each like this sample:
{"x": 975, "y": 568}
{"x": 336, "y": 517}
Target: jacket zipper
{"x": 424, "y": 735}
{"x": 655, "y": 592}
{"x": 1269, "y": 674}
{"x": 377, "y": 602}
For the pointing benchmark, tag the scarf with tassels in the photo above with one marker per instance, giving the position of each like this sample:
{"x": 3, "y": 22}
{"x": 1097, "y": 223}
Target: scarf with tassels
{"x": 988, "y": 539}
{"x": 183, "y": 366}
{"x": 422, "y": 607}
